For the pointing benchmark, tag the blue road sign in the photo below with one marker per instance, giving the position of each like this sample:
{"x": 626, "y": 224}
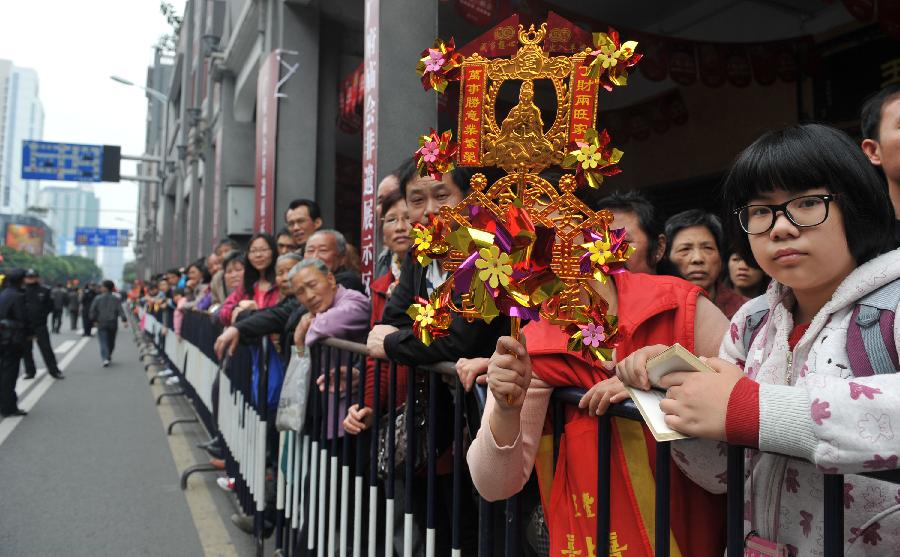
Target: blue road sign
{"x": 42, "y": 160}
{"x": 104, "y": 237}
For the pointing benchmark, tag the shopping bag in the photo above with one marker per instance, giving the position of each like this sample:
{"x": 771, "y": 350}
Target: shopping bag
{"x": 294, "y": 394}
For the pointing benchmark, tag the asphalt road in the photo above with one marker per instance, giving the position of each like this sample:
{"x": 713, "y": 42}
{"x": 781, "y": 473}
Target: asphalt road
{"x": 91, "y": 472}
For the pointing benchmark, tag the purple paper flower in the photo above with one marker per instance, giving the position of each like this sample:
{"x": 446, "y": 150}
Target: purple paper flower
{"x": 593, "y": 335}
{"x": 435, "y": 62}
{"x": 430, "y": 151}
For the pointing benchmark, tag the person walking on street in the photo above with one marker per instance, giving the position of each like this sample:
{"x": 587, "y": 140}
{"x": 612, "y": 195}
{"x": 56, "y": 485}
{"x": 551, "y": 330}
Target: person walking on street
{"x": 105, "y": 310}
{"x": 87, "y": 298}
{"x": 38, "y": 305}
{"x": 14, "y": 333}
{"x": 73, "y": 301}
{"x": 59, "y": 296}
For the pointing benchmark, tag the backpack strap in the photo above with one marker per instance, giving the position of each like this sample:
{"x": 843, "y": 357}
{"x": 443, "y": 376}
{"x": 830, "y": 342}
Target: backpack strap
{"x": 757, "y": 313}
{"x": 870, "y": 335}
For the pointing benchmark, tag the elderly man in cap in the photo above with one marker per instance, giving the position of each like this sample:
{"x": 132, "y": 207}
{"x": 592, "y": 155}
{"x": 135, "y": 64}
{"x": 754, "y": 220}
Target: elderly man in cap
{"x": 14, "y": 333}
{"x": 38, "y": 305}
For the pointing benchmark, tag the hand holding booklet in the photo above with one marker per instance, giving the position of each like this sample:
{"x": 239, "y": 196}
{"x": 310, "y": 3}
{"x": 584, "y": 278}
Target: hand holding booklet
{"x": 675, "y": 358}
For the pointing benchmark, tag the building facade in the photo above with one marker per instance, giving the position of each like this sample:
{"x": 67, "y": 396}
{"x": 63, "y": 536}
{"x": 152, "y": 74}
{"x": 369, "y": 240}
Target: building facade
{"x": 21, "y": 118}
{"x": 68, "y": 208}
{"x": 272, "y": 100}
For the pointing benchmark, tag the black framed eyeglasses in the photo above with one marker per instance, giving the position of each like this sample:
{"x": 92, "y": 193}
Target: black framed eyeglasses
{"x": 803, "y": 212}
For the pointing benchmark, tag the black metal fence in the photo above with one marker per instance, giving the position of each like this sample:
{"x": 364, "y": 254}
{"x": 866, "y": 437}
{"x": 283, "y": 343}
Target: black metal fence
{"x": 328, "y": 498}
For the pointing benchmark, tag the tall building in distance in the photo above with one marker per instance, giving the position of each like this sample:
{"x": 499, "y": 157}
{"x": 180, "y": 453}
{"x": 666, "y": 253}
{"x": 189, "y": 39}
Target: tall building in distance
{"x": 68, "y": 208}
{"x": 21, "y": 118}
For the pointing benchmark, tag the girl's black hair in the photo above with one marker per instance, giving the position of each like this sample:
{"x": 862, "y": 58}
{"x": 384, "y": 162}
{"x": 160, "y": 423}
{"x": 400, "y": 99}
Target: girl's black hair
{"x": 251, "y": 275}
{"x": 200, "y": 264}
{"x": 808, "y": 156}
{"x": 234, "y": 255}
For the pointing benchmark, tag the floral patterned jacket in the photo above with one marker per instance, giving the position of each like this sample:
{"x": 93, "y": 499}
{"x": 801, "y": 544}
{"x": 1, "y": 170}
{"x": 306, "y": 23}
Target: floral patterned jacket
{"x": 814, "y": 409}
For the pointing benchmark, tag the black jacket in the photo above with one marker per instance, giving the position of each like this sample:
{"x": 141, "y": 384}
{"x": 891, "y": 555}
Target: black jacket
{"x": 12, "y": 309}
{"x": 348, "y": 278}
{"x": 38, "y": 304}
{"x": 259, "y": 323}
{"x": 465, "y": 340}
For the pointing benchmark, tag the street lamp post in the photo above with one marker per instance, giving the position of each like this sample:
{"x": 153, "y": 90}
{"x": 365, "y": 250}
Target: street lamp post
{"x": 164, "y": 99}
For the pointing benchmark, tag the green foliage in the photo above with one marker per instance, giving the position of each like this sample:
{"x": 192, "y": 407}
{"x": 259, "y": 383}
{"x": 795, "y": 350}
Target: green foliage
{"x": 53, "y": 269}
{"x": 169, "y": 41}
{"x": 129, "y": 271}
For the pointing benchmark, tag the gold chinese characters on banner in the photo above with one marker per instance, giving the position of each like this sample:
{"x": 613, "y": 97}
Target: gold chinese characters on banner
{"x": 524, "y": 247}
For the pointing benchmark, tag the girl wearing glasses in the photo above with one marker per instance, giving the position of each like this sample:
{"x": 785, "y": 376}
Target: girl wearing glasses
{"x": 258, "y": 289}
{"x": 799, "y": 374}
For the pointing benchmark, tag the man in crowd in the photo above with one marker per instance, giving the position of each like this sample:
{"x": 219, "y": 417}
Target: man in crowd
{"x": 105, "y": 311}
{"x": 880, "y": 121}
{"x": 393, "y": 338}
{"x": 59, "y": 296}
{"x": 303, "y": 217}
{"x": 38, "y": 305}
{"x": 14, "y": 330}
{"x": 87, "y": 297}
{"x": 330, "y": 246}
{"x": 643, "y": 229}
{"x": 284, "y": 242}
{"x": 387, "y": 186}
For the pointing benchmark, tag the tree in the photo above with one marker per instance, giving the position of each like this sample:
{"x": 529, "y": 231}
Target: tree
{"x": 53, "y": 269}
{"x": 129, "y": 272}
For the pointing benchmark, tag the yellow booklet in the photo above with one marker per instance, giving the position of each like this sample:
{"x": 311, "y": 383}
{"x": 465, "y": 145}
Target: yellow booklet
{"x": 674, "y": 358}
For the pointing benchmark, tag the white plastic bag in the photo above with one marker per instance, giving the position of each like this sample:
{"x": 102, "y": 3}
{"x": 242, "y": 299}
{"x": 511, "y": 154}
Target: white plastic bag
{"x": 294, "y": 394}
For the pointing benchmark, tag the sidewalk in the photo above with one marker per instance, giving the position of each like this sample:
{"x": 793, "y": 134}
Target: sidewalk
{"x": 89, "y": 471}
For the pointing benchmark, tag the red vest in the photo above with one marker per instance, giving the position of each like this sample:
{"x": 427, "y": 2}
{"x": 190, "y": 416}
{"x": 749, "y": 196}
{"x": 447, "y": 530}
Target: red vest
{"x": 652, "y": 310}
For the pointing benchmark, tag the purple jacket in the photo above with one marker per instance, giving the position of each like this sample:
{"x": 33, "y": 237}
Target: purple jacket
{"x": 347, "y": 318}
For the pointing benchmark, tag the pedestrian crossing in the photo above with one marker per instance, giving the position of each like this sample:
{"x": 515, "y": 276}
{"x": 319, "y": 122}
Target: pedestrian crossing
{"x": 28, "y": 391}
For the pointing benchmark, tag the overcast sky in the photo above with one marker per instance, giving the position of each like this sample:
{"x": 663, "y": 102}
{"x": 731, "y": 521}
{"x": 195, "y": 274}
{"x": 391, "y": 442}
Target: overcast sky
{"x": 75, "y": 45}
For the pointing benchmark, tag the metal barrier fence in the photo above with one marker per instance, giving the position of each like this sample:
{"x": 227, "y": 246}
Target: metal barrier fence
{"x": 329, "y": 499}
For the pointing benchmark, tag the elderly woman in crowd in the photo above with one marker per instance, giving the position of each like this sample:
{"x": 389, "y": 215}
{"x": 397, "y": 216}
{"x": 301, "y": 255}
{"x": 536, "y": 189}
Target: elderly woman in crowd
{"x": 333, "y": 311}
{"x": 258, "y": 289}
{"x": 395, "y": 227}
{"x": 694, "y": 253}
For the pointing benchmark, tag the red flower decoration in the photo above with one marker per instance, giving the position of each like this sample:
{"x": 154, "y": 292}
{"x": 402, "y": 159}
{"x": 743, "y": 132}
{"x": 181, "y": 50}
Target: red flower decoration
{"x": 436, "y": 154}
{"x": 611, "y": 59}
{"x": 592, "y": 159}
{"x": 439, "y": 65}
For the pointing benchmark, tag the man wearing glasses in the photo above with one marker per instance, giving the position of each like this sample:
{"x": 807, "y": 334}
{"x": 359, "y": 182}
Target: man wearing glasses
{"x": 302, "y": 218}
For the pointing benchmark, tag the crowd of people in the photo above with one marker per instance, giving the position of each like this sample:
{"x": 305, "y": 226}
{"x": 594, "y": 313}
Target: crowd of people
{"x": 778, "y": 296}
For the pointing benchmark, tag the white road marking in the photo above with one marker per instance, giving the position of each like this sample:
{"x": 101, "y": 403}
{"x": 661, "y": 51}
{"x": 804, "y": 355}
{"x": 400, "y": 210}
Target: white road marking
{"x": 64, "y": 346}
{"x": 42, "y": 385}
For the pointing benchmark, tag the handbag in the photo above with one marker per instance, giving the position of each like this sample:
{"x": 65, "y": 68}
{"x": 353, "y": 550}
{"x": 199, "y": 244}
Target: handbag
{"x": 294, "y": 394}
{"x": 401, "y": 431}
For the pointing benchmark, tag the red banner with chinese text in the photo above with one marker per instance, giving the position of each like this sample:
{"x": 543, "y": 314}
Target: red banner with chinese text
{"x": 266, "y": 143}
{"x": 471, "y": 110}
{"x": 370, "y": 142}
{"x": 583, "y": 102}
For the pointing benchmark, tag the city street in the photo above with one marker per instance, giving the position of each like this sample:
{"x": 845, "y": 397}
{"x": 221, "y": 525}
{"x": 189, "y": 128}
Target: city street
{"x": 91, "y": 472}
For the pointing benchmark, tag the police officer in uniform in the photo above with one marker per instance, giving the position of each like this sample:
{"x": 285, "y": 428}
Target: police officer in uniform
{"x": 38, "y": 305}
{"x": 14, "y": 331}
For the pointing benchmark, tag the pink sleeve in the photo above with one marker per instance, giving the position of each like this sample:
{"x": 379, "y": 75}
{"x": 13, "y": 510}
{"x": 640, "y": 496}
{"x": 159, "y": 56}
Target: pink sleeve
{"x": 179, "y": 315}
{"x": 500, "y": 472}
{"x": 229, "y": 304}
